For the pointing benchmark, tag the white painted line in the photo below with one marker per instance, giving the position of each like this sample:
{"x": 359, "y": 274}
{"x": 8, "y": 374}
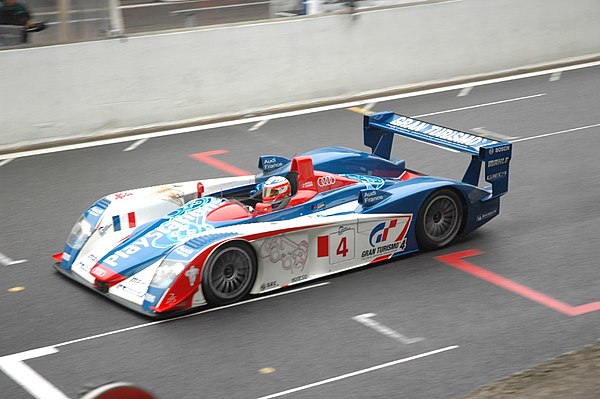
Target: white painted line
{"x": 464, "y": 92}
{"x": 122, "y": 330}
{"x": 135, "y": 145}
{"x": 258, "y": 125}
{"x": 482, "y": 105}
{"x": 575, "y": 129}
{"x": 369, "y": 106}
{"x": 27, "y": 378}
{"x": 6, "y": 261}
{"x": 555, "y": 76}
{"x": 359, "y": 372}
{"x": 482, "y": 131}
{"x": 366, "y": 319}
{"x": 6, "y": 161}
{"x": 291, "y": 113}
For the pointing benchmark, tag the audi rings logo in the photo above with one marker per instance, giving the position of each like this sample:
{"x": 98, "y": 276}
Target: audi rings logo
{"x": 327, "y": 180}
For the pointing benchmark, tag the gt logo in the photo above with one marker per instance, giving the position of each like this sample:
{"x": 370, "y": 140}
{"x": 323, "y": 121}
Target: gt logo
{"x": 380, "y": 232}
{"x": 325, "y": 181}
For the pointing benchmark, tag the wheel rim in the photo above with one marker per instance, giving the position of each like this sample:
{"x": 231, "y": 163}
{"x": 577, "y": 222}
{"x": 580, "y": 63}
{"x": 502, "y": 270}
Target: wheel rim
{"x": 441, "y": 219}
{"x": 230, "y": 273}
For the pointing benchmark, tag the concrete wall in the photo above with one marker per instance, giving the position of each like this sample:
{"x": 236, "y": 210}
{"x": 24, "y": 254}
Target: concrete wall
{"x": 97, "y": 87}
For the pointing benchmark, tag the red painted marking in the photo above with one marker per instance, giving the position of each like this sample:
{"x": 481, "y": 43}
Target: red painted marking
{"x": 207, "y": 158}
{"x": 322, "y": 246}
{"x": 131, "y": 219}
{"x": 455, "y": 260}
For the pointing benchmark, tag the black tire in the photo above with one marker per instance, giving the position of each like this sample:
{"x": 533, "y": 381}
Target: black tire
{"x": 229, "y": 274}
{"x": 440, "y": 219}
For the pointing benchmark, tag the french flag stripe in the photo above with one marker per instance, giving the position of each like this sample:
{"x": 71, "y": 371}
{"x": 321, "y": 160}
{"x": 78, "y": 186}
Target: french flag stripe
{"x": 322, "y": 246}
{"x": 117, "y": 223}
{"x": 131, "y": 218}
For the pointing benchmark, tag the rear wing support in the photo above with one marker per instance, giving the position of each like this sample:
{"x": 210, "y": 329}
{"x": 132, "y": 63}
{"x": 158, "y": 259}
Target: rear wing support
{"x": 379, "y": 130}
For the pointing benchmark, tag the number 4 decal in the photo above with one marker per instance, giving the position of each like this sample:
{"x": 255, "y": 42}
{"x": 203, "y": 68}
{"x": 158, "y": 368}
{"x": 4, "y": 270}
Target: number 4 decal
{"x": 341, "y": 245}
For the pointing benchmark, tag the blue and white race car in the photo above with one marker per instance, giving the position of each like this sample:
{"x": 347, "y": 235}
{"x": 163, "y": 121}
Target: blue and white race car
{"x": 167, "y": 249}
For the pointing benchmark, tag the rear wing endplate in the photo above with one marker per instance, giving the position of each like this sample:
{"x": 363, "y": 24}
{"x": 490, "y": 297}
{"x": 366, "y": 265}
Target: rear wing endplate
{"x": 379, "y": 130}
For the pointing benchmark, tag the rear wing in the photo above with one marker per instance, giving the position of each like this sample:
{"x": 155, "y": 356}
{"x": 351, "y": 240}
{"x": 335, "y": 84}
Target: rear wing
{"x": 379, "y": 130}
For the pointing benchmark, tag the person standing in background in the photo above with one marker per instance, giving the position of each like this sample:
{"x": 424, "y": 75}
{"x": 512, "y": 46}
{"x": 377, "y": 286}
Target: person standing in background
{"x": 15, "y": 13}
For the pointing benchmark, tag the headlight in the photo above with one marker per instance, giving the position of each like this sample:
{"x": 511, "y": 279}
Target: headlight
{"x": 80, "y": 234}
{"x": 166, "y": 273}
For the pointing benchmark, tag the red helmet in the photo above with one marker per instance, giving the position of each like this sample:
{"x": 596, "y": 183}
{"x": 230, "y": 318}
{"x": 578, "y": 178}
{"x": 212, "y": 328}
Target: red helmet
{"x": 276, "y": 189}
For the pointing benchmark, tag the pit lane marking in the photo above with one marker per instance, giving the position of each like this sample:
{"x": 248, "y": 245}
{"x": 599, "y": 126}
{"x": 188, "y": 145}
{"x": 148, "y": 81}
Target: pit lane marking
{"x": 575, "y": 129}
{"x": 366, "y": 110}
{"x": 207, "y": 158}
{"x": 6, "y": 161}
{"x": 482, "y": 131}
{"x": 16, "y": 289}
{"x": 14, "y": 367}
{"x": 6, "y": 261}
{"x": 510, "y": 100}
{"x": 456, "y": 260}
{"x": 366, "y": 319}
{"x": 359, "y": 372}
{"x": 555, "y": 76}
{"x": 135, "y": 145}
{"x": 464, "y": 92}
{"x": 170, "y": 132}
{"x": 258, "y": 125}
{"x": 153, "y": 323}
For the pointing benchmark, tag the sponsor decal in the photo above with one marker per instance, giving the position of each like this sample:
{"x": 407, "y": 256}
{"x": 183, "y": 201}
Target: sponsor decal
{"x": 269, "y": 285}
{"x": 343, "y": 229}
{"x": 385, "y": 249}
{"x": 191, "y": 274}
{"x": 498, "y": 162}
{"x": 130, "y": 218}
{"x": 307, "y": 184}
{"x": 497, "y": 150}
{"x": 451, "y": 135}
{"x": 372, "y": 182}
{"x": 123, "y": 195}
{"x": 326, "y": 180}
{"x": 182, "y": 224}
{"x": 66, "y": 256}
{"x": 171, "y": 299}
{"x": 285, "y": 252}
{"x": 299, "y": 278}
{"x": 133, "y": 290}
{"x": 272, "y": 163}
{"x": 496, "y": 176}
{"x": 381, "y": 231}
{"x": 318, "y": 206}
{"x": 487, "y": 215}
{"x": 103, "y": 229}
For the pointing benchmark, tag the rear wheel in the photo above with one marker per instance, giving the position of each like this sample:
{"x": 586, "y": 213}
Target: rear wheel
{"x": 439, "y": 219}
{"x": 229, "y": 274}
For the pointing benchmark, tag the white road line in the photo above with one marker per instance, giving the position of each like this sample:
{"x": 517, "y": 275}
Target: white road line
{"x": 482, "y": 131}
{"x": 122, "y": 330}
{"x": 293, "y": 113}
{"x": 369, "y": 106}
{"x": 465, "y": 91}
{"x": 555, "y": 76}
{"x": 481, "y": 105}
{"x": 135, "y": 145}
{"x": 27, "y": 378}
{"x": 6, "y": 161}
{"x": 359, "y": 372}
{"x": 6, "y": 261}
{"x": 258, "y": 125}
{"x": 366, "y": 320}
{"x": 575, "y": 129}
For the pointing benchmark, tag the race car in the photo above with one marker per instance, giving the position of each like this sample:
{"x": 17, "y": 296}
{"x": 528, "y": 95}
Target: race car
{"x": 167, "y": 249}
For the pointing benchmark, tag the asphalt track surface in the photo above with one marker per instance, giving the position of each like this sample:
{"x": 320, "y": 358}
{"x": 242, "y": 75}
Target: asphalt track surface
{"x": 546, "y": 239}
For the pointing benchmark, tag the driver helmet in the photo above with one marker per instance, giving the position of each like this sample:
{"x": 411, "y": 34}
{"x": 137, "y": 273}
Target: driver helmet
{"x": 276, "y": 189}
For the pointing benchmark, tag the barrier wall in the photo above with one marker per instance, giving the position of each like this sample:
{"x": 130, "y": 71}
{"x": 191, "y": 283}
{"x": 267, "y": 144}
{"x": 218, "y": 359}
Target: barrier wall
{"x": 94, "y": 88}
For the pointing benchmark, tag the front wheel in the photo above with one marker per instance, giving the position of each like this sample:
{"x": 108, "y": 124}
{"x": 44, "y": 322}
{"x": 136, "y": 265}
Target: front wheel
{"x": 229, "y": 274}
{"x": 439, "y": 219}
